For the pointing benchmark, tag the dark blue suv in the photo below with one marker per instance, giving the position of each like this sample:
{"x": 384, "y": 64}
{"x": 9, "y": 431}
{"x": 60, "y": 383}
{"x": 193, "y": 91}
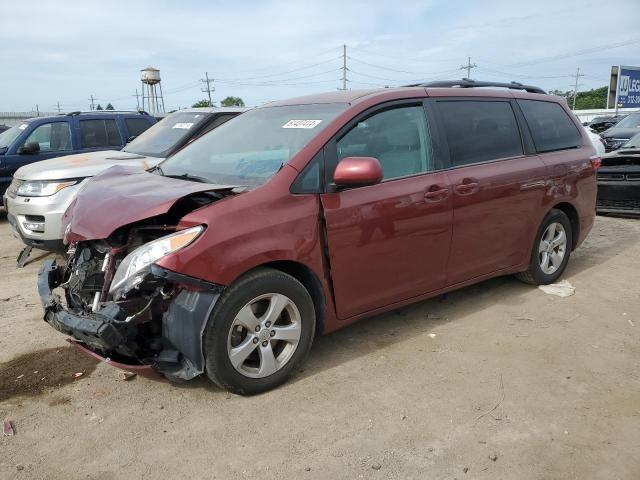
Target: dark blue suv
{"x": 41, "y": 138}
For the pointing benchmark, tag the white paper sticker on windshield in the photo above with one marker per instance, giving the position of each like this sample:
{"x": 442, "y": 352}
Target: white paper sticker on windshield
{"x": 23, "y": 126}
{"x": 301, "y": 124}
{"x": 185, "y": 126}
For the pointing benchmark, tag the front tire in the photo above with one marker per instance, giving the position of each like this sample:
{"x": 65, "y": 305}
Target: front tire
{"x": 259, "y": 332}
{"x": 551, "y": 250}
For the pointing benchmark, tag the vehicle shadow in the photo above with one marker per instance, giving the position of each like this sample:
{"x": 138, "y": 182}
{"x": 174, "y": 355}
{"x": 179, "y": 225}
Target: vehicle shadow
{"x": 382, "y": 331}
{"x": 385, "y": 330}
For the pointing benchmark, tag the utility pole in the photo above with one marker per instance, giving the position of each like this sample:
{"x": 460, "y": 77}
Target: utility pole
{"x": 344, "y": 67}
{"x": 208, "y": 87}
{"x": 575, "y": 87}
{"x": 92, "y": 104}
{"x": 58, "y": 107}
{"x": 37, "y": 110}
{"x": 468, "y": 67}
{"x": 137, "y": 95}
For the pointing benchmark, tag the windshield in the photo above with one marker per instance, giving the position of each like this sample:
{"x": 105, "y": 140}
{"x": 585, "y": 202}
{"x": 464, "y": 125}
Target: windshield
{"x": 634, "y": 142}
{"x": 161, "y": 138}
{"x": 254, "y": 146}
{"x": 630, "y": 121}
{"x": 8, "y": 136}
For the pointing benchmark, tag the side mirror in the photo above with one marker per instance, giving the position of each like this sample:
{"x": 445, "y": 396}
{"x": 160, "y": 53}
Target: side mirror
{"x": 131, "y": 138}
{"x": 29, "y": 148}
{"x": 357, "y": 172}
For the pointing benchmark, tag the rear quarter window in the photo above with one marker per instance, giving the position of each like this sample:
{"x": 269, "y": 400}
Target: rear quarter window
{"x": 550, "y": 126}
{"x": 480, "y": 131}
{"x": 135, "y": 126}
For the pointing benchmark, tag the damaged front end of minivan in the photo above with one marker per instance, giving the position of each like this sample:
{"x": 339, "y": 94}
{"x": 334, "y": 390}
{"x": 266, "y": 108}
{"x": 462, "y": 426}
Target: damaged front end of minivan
{"x": 121, "y": 305}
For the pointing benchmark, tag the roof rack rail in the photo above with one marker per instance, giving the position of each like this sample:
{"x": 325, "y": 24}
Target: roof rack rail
{"x": 468, "y": 83}
{"x": 100, "y": 112}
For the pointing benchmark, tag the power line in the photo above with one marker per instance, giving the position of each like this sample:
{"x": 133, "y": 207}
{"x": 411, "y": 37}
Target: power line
{"x": 283, "y": 73}
{"x": 576, "y": 53}
{"x": 279, "y": 81}
{"x": 523, "y": 75}
{"x": 305, "y": 59}
{"x": 382, "y": 67}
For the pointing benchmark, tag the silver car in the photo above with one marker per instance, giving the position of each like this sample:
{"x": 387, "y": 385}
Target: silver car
{"x": 41, "y": 192}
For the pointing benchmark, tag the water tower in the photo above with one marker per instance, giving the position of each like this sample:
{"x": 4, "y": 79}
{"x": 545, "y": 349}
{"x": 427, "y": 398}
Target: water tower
{"x": 152, "y": 90}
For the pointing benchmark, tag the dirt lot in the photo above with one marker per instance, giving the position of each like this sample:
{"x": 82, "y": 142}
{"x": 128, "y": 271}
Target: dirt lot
{"x": 499, "y": 380}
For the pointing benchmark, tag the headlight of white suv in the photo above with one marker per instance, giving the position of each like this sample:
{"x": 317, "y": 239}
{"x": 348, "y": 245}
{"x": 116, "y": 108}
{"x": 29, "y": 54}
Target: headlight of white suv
{"x": 43, "y": 188}
{"x": 136, "y": 265}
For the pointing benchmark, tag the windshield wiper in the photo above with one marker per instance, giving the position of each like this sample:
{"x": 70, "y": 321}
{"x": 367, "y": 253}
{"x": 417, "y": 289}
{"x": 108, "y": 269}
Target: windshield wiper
{"x": 156, "y": 169}
{"x": 188, "y": 176}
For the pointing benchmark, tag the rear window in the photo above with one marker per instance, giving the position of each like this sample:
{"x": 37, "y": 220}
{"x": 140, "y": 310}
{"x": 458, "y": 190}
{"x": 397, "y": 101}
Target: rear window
{"x": 135, "y": 126}
{"x": 550, "y": 126}
{"x": 479, "y": 131}
{"x": 99, "y": 134}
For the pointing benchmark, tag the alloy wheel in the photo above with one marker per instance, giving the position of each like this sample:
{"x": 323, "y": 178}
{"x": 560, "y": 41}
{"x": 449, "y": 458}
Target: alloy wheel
{"x": 552, "y": 248}
{"x": 264, "y": 335}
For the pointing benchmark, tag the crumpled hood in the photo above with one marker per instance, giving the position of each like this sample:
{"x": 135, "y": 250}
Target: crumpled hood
{"x": 82, "y": 165}
{"x": 120, "y": 196}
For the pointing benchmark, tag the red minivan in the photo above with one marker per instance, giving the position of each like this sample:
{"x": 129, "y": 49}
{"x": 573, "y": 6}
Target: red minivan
{"x": 305, "y": 215}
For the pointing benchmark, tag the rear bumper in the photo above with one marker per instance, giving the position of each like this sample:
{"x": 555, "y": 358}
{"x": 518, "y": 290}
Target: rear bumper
{"x": 108, "y": 335}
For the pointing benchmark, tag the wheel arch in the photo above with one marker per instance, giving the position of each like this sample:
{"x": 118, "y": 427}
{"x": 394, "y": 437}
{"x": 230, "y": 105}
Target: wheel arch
{"x": 571, "y": 212}
{"x": 309, "y": 280}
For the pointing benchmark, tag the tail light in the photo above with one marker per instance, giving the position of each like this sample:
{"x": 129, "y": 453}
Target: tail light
{"x": 596, "y": 162}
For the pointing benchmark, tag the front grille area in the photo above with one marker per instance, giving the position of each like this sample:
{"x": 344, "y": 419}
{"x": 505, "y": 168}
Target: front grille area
{"x": 624, "y": 204}
{"x": 619, "y": 177}
{"x": 611, "y": 177}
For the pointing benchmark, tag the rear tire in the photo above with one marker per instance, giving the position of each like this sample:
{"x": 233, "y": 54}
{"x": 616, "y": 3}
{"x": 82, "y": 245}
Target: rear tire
{"x": 551, "y": 250}
{"x": 259, "y": 332}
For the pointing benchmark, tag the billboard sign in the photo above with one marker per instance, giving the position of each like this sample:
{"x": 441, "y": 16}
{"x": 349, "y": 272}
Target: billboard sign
{"x": 628, "y": 87}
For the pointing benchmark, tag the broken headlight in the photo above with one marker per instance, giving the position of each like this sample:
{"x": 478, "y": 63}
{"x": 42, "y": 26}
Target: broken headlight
{"x": 135, "y": 266}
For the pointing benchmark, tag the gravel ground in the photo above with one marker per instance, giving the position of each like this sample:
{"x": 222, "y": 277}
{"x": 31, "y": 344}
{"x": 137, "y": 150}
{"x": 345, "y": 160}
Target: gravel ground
{"x": 498, "y": 380}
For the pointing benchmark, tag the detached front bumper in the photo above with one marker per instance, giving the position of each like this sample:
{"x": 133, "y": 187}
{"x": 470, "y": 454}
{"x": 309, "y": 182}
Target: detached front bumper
{"x": 108, "y": 333}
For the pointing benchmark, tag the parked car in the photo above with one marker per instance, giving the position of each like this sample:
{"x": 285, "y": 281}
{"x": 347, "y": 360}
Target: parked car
{"x": 306, "y": 215}
{"x": 41, "y": 192}
{"x": 600, "y": 124}
{"x": 41, "y": 138}
{"x": 619, "y": 134}
{"x": 597, "y": 141}
{"x": 619, "y": 180}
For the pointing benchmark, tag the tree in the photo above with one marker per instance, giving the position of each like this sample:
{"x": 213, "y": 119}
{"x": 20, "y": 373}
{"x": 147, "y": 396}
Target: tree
{"x": 202, "y": 103}
{"x": 109, "y": 106}
{"x": 592, "y": 99}
{"x": 99, "y": 107}
{"x": 232, "y": 102}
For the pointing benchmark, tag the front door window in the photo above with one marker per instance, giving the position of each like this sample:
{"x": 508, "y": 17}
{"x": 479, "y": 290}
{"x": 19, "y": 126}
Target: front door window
{"x": 51, "y": 137}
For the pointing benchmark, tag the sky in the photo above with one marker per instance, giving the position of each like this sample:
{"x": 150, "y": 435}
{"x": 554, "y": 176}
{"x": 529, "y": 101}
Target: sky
{"x": 66, "y": 51}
